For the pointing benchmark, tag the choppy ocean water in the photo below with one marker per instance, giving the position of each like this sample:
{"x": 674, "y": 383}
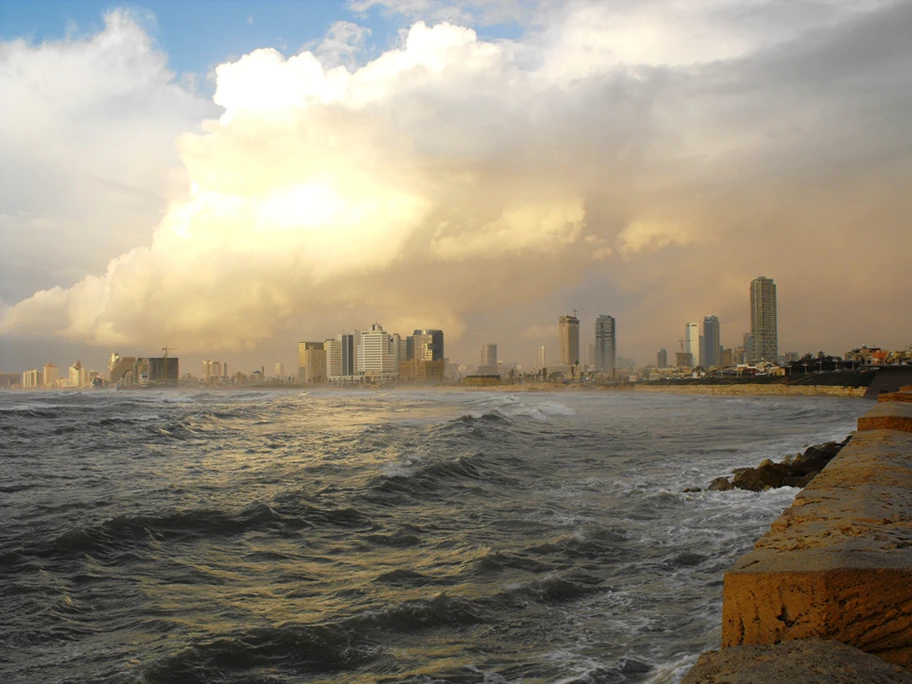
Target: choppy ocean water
{"x": 378, "y": 536}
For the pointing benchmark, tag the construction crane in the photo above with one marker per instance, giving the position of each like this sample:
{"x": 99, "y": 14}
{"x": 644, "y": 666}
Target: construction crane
{"x": 167, "y": 349}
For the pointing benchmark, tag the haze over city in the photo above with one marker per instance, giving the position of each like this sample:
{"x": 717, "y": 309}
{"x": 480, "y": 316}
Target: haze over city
{"x": 230, "y": 185}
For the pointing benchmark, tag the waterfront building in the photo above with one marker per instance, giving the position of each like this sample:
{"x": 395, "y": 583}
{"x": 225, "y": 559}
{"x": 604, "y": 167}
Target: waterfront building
{"x": 398, "y": 348}
{"x": 311, "y": 363}
{"x": 764, "y": 325}
{"x": 154, "y": 370}
{"x": 31, "y": 379}
{"x": 692, "y": 342}
{"x": 662, "y": 359}
{"x": 214, "y": 373}
{"x": 541, "y": 357}
{"x": 349, "y": 352}
{"x": 78, "y": 376}
{"x": 375, "y": 355}
{"x": 605, "y": 344}
{"x": 589, "y": 356}
{"x": 728, "y": 358}
{"x": 488, "y": 356}
{"x": 712, "y": 344}
{"x": 279, "y": 372}
{"x": 427, "y": 345}
{"x": 333, "y": 348}
{"x": 119, "y": 366}
{"x": 684, "y": 360}
{"x": 748, "y": 348}
{"x": 419, "y": 371}
{"x": 568, "y": 340}
{"x": 50, "y": 375}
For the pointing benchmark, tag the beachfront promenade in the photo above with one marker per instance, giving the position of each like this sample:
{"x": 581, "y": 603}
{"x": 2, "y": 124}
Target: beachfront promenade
{"x": 826, "y": 594}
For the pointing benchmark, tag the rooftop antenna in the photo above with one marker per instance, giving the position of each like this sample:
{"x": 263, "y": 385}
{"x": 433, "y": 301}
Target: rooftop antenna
{"x": 167, "y": 349}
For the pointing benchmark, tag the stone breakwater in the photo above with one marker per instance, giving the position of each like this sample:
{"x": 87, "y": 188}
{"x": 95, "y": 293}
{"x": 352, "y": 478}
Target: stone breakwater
{"x": 836, "y": 566}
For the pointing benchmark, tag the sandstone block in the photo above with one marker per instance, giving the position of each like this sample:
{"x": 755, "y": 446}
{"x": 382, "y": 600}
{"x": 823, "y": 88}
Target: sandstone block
{"x": 888, "y": 415}
{"x": 838, "y": 563}
{"x": 803, "y": 661}
{"x": 902, "y": 395}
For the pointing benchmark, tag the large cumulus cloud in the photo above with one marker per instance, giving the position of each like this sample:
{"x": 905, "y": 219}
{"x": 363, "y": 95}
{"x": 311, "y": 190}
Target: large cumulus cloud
{"x": 453, "y": 178}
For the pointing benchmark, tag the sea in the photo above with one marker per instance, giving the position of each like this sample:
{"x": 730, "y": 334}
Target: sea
{"x": 378, "y": 535}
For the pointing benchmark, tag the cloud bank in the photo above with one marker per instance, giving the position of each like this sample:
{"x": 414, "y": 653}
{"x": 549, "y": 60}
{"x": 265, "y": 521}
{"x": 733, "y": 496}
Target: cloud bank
{"x": 594, "y": 163}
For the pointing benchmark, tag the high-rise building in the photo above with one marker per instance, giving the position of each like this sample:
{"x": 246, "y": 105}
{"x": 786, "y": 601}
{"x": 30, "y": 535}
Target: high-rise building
{"x": 764, "y": 325}
{"x": 311, "y": 362}
{"x": 541, "y": 357}
{"x": 333, "y": 349}
{"x": 712, "y": 343}
{"x": 340, "y": 356}
{"x": 692, "y": 342}
{"x": 605, "y": 344}
{"x": 119, "y": 366}
{"x": 214, "y": 373}
{"x": 488, "y": 356}
{"x": 31, "y": 379}
{"x": 568, "y": 338}
{"x": 375, "y": 354}
{"x": 398, "y": 348}
{"x": 51, "y": 373}
{"x": 154, "y": 370}
{"x": 427, "y": 345}
{"x": 279, "y": 371}
{"x": 662, "y": 359}
{"x": 78, "y": 375}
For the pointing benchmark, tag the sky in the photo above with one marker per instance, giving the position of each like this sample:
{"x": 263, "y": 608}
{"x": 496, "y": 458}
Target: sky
{"x": 230, "y": 178}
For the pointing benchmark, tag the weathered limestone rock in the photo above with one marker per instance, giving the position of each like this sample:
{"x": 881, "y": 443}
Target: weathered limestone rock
{"x": 904, "y": 396}
{"x": 797, "y": 471}
{"x": 803, "y": 661}
{"x": 892, "y": 415}
{"x": 838, "y": 563}
{"x": 720, "y": 484}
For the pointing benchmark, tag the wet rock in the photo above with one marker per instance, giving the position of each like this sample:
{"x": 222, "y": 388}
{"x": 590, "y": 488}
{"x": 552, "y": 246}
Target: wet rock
{"x": 720, "y": 484}
{"x": 796, "y": 471}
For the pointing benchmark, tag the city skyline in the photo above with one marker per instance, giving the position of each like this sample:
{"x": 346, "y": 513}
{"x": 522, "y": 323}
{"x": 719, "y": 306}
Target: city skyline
{"x": 465, "y": 167}
{"x": 346, "y": 355}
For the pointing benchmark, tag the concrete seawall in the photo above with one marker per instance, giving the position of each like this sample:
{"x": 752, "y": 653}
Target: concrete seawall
{"x": 836, "y": 566}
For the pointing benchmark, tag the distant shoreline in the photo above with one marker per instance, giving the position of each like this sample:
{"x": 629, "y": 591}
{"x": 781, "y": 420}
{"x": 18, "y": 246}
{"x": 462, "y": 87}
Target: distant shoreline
{"x": 755, "y": 390}
{"x": 745, "y": 389}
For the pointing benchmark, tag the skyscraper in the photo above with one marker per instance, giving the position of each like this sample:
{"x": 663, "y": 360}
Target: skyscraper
{"x": 541, "y": 357}
{"x": 311, "y": 362}
{"x": 375, "y": 354}
{"x": 568, "y": 333}
{"x": 692, "y": 342}
{"x": 427, "y": 345}
{"x": 712, "y": 343}
{"x": 764, "y": 326}
{"x": 662, "y": 359}
{"x": 50, "y": 375}
{"x": 488, "y": 356}
{"x": 605, "y": 344}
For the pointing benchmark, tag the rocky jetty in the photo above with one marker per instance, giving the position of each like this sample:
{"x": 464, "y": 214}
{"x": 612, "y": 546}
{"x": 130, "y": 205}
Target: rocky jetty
{"x": 794, "y": 471}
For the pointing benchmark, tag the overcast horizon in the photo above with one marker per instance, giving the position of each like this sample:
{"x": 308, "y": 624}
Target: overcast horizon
{"x": 231, "y": 178}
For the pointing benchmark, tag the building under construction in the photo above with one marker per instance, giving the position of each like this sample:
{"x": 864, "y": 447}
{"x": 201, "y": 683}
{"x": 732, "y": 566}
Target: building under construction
{"x": 152, "y": 371}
